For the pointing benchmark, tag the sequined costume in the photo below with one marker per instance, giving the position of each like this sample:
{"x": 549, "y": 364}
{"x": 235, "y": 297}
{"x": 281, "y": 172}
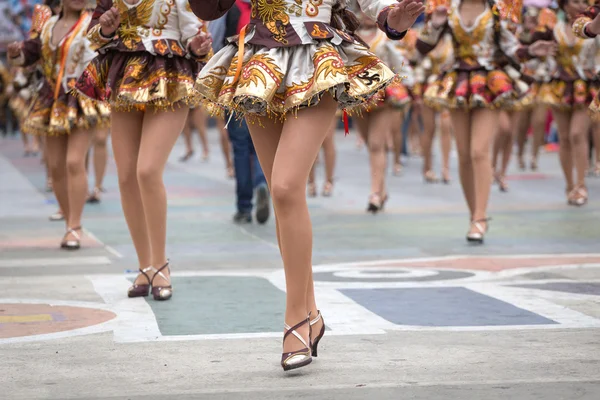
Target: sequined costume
{"x": 147, "y": 61}
{"x": 579, "y": 27}
{"x": 435, "y": 63}
{"x": 538, "y": 70}
{"x": 56, "y": 110}
{"x": 397, "y": 94}
{"x": 294, "y": 51}
{"x": 572, "y": 80}
{"x": 477, "y": 77}
{"x": 5, "y": 81}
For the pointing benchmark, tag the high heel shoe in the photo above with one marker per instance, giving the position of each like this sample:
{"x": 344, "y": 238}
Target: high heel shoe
{"x": 299, "y": 358}
{"x": 430, "y": 177}
{"x": 94, "y": 197}
{"x": 477, "y": 235}
{"x": 189, "y": 154}
{"x": 327, "y": 189}
{"x": 71, "y": 244}
{"x": 140, "y": 290}
{"x": 315, "y": 343}
{"x": 312, "y": 189}
{"x": 446, "y": 177}
{"x": 375, "y": 203}
{"x": 578, "y": 196}
{"x": 161, "y": 293}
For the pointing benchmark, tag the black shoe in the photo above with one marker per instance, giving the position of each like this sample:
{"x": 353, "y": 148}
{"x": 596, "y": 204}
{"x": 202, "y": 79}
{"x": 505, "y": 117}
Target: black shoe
{"x": 242, "y": 218}
{"x": 262, "y": 204}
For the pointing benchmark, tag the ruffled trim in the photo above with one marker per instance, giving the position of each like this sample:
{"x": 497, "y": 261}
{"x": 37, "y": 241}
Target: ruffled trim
{"x": 349, "y": 72}
{"x": 566, "y": 96}
{"x": 135, "y": 81}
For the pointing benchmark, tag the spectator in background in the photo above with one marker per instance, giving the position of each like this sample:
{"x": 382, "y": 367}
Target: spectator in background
{"x": 248, "y": 174}
{"x": 21, "y": 12}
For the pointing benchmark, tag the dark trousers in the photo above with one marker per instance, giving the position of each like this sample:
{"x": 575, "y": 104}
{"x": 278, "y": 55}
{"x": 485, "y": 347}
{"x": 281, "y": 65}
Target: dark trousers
{"x": 248, "y": 174}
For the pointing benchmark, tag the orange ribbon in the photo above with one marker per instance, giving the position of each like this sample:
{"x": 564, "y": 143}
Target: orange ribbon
{"x": 64, "y": 49}
{"x": 240, "y": 60}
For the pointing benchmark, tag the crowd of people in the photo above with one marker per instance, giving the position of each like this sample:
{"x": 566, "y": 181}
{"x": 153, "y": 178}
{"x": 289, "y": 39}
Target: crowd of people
{"x": 276, "y": 77}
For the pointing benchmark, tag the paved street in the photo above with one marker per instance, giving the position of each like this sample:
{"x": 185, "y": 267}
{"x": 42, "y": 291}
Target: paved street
{"x": 412, "y": 310}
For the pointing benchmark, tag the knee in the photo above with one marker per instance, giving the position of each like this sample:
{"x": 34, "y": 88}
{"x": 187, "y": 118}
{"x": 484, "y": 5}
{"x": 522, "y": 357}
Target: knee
{"x": 148, "y": 174}
{"x": 75, "y": 165}
{"x": 285, "y": 193}
{"x": 479, "y": 155}
{"x": 578, "y": 137}
{"x": 376, "y": 145}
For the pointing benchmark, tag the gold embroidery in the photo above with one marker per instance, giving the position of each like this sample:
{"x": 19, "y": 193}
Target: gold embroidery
{"x": 317, "y": 32}
{"x": 274, "y": 15}
{"x": 579, "y": 26}
{"x": 567, "y": 53}
{"x": 161, "y": 47}
{"x": 254, "y": 72}
{"x": 176, "y": 49}
{"x": 132, "y": 19}
{"x": 467, "y": 40}
{"x": 163, "y": 16}
{"x": 312, "y": 8}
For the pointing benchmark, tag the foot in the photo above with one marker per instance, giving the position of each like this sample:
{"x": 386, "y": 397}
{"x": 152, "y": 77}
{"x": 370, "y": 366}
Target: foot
{"x": 478, "y": 230}
{"x": 57, "y": 216}
{"x": 241, "y": 218}
{"x": 205, "y": 156}
{"x": 397, "y": 169}
{"x": 327, "y": 189}
{"x": 596, "y": 172}
{"x": 296, "y": 345}
{"x": 502, "y": 185}
{"x": 161, "y": 282}
{"x": 578, "y": 196}
{"x": 534, "y": 164}
{"x": 263, "y": 208}
{"x": 430, "y": 177}
{"x": 522, "y": 164}
{"x": 312, "y": 189}
{"x": 446, "y": 176}
{"x": 189, "y": 154}
{"x": 375, "y": 203}
{"x": 72, "y": 239}
{"x": 230, "y": 172}
{"x": 49, "y": 185}
{"x": 94, "y": 197}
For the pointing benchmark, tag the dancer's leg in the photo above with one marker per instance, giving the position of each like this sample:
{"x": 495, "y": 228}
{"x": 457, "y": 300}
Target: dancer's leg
{"x": 126, "y": 137}
{"x": 160, "y": 131}
{"x": 297, "y": 148}
{"x": 579, "y": 130}
{"x": 446, "y": 143}
{"x": 538, "y": 126}
{"x": 563, "y": 123}
{"x": 200, "y": 120}
{"x": 427, "y": 138}
{"x": 461, "y": 122}
{"x": 55, "y": 152}
{"x": 100, "y": 156}
{"x": 329, "y": 152}
{"x": 481, "y": 141}
{"x": 396, "y": 122}
{"x": 524, "y": 119}
{"x": 77, "y": 149}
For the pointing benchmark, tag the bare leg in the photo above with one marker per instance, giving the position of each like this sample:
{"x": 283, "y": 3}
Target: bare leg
{"x": 427, "y": 142}
{"x": 481, "y": 141}
{"x": 77, "y": 184}
{"x": 446, "y": 144}
{"x": 414, "y": 131}
{"x": 25, "y": 138}
{"x": 563, "y": 123}
{"x": 160, "y": 130}
{"x": 579, "y": 129}
{"x": 296, "y": 150}
{"x": 329, "y": 153}
{"x": 523, "y": 123}
{"x": 596, "y": 138}
{"x": 187, "y": 140}
{"x": 378, "y": 128}
{"x": 56, "y": 158}
{"x": 503, "y": 147}
{"x": 538, "y": 125}
{"x": 200, "y": 120}
{"x": 226, "y": 147}
{"x": 461, "y": 121}
{"x": 126, "y": 139}
{"x": 396, "y": 121}
{"x": 100, "y": 156}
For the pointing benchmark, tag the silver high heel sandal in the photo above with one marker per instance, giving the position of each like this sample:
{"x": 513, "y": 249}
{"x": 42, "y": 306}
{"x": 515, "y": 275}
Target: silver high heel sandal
{"x": 477, "y": 236}
{"x": 71, "y": 244}
{"x": 299, "y": 358}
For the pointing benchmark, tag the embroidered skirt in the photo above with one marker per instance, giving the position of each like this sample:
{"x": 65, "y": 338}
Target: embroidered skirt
{"x": 279, "y": 80}
{"x": 49, "y": 117}
{"x": 460, "y": 89}
{"x": 134, "y": 80}
{"x": 568, "y": 95}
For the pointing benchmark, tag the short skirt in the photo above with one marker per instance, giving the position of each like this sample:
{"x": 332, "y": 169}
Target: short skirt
{"x": 568, "y": 95}
{"x": 135, "y": 80}
{"x": 48, "y": 116}
{"x": 275, "y": 81}
{"x": 461, "y": 89}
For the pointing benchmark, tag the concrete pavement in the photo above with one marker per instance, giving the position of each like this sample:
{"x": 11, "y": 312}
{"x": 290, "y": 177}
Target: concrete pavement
{"x": 413, "y": 311}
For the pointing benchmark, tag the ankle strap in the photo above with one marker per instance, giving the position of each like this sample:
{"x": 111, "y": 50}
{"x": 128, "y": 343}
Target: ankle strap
{"x": 317, "y": 319}
{"x": 159, "y": 272}
{"x": 292, "y": 331}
